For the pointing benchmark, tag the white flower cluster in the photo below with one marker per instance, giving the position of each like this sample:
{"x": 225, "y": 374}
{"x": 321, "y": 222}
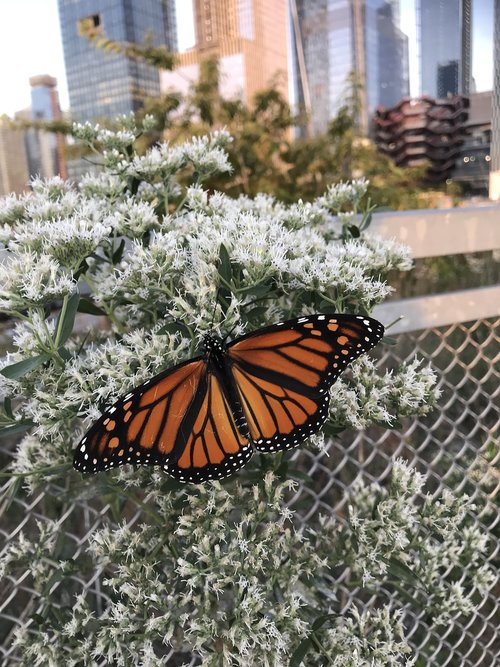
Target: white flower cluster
{"x": 37, "y": 554}
{"x": 223, "y": 575}
{"x": 375, "y": 397}
{"x": 150, "y": 259}
{"x": 368, "y": 639}
{"x": 224, "y": 584}
{"x": 32, "y": 279}
{"x": 435, "y": 543}
{"x": 342, "y": 195}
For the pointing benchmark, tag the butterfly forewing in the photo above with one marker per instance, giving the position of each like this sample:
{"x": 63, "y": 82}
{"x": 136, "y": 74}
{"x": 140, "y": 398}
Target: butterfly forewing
{"x": 145, "y": 425}
{"x": 284, "y": 372}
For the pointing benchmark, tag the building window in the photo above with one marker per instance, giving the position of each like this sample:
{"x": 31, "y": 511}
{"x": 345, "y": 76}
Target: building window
{"x": 89, "y": 24}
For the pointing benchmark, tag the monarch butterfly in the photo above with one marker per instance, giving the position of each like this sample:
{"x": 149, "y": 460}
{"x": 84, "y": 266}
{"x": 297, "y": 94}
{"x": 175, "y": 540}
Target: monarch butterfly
{"x": 202, "y": 419}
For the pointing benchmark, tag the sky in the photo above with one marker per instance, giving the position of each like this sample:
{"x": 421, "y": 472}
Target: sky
{"x": 30, "y": 44}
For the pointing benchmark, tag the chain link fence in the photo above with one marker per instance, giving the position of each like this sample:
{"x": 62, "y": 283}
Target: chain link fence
{"x": 454, "y": 445}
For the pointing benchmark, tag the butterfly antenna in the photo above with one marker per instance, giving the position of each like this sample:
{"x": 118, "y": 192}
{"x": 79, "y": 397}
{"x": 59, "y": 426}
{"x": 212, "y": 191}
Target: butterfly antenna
{"x": 228, "y": 334}
{"x": 215, "y": 309}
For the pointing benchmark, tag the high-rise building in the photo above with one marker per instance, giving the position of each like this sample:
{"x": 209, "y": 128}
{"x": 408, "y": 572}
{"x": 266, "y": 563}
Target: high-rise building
{"x": 339, "y": 37}
{"x": 104, "y": 85}
{"x": 249, "y": 39}
{"x": 14, "y": 175}
{"x": 472, "y": 165}
{"x": 445, "y": 39}
{"x": 494, "y": 179}
{"x": 448, "y": 79}
{"x": 45, "y": 150}
{"x": 393, "y": 68}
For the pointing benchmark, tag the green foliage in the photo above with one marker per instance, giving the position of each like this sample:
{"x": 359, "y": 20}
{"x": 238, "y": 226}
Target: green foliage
{"x": 156, "y": 56}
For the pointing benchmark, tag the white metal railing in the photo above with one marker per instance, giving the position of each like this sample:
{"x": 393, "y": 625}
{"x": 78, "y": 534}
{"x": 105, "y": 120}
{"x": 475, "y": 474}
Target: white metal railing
{"x": 439, "y": 232}
{"x": 436, "y": 233}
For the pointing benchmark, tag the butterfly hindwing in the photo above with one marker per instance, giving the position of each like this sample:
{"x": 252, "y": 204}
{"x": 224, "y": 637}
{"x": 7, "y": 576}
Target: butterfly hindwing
{"x": 144, "y": 426}
{"x": 284, "y": 372}
{"x": 213, "y": 445}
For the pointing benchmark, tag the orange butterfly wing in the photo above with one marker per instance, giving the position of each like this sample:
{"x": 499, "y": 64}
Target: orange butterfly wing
{"x": 181, "y": 420}
{"x": 214, "y": 445}
{"x": 144, "y": 426}
{"x": 283, "y": 373}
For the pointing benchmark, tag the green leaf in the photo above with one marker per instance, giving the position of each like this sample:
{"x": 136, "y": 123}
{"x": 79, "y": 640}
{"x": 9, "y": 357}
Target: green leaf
{"x": 118, "y": 253}
{"x": 9, "y": 492}
{"x": 7, "y": 406}
{"x": 133, "y": 184}
{"x": 64, "y": 353}
{"x": 89, "y": 307}
{"x": 57, "y": 577}
{"x": 237, "y": 271}
{"x": 256, "y": 313}
{"x": 326, "y": 308}
{"x": 82, "y": 268}
{"x": 173, "y": 328}
{"x": 321, "y": 620}
{"x": 258, "y": 290}
{"x": 354, "y": 231}
{"x": 225, "y": 269}
{"x": 44, "y": 470}
{"x": 15, "y": 428}
{"x": 402, "y": 572}
{"x": 66, "y": 319}
{"x": 394, "y": 425}
{"x": 223, "y": 298}
{"x": 332, "y": 430}
{"x": 37, "y": 618}
{"x": 366, "y": 222}
{"x": 308, "y": 643}
{"x": 17, "y": 370}
{"x": 300, "y": 652}
{"x": 389, "y": 340}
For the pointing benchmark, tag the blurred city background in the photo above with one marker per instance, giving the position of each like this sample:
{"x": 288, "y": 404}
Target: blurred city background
{"x": 399, "y": 91}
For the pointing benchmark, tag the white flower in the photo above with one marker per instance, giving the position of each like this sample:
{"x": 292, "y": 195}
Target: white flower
{"x": 343, "y": 194}
{"x": 31, "y": 279}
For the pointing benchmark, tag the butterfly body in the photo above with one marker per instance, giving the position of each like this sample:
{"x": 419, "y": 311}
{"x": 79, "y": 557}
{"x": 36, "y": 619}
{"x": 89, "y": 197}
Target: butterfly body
{"x": 202, "y": 420}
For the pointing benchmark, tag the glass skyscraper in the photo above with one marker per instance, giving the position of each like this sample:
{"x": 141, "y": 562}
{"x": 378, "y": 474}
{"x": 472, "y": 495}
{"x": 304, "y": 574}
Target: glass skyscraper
{"x": 103, "y": 85}
{"x": 341, "y": 37}
{"x": 445, "y": 47}
{"x": 249, "y": 40}
{"x": 393, "y": 68}
{"x": 45, "y": 150}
